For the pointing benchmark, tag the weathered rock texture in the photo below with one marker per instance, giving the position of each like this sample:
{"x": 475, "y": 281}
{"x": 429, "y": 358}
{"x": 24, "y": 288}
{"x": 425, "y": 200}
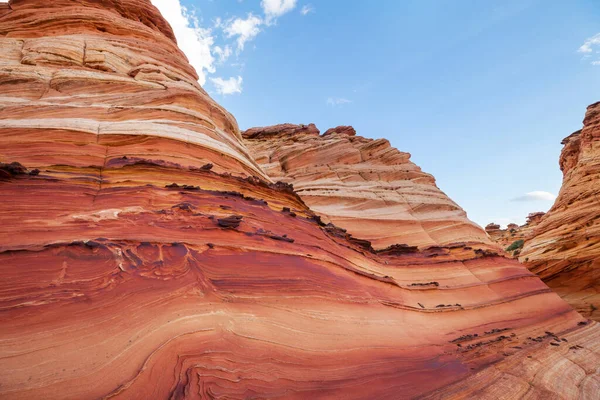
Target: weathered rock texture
{"x": 513, "y": 237}
{"x": 141, "y": 260}
{"x": 564, "y": 249}
{"x": 363, "y": 185}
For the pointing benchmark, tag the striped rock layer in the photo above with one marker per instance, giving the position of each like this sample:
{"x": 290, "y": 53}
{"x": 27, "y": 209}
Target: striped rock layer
{"x": 564, "y": 249}
{"x": 145, "y": 255}
{"x": 363, "y": 185}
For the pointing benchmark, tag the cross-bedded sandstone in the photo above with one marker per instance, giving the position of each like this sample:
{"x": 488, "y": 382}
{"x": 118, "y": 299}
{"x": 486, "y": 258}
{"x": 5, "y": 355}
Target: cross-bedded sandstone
{"x": 131, "y": 269}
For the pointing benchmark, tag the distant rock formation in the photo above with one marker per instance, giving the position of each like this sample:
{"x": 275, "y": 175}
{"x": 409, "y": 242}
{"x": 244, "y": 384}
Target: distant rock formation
{"x": 512, "y": 239}
{"x": 363, "y": 185}
{"x": 144, "y": 254}
{"x": 535, "y": 218}
{"x": 564, "y": 248}
{"x": 281, "y": 131}
{"x": 492, "y": 227}
{"x": 341, "y": 130}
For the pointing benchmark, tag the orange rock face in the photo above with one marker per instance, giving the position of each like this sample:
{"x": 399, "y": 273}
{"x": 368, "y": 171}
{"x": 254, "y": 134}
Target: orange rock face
{"x": 145, "y": 255}
{"x": 365, "y": 186}
{"x": 564, "y": 249}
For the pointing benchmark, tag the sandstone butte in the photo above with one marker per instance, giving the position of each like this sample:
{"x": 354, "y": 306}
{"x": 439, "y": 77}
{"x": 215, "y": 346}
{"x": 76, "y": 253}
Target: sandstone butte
{"x": 363, "y": 185}
{"x": 145, "y": 255}
{"x": 564, "y": 248}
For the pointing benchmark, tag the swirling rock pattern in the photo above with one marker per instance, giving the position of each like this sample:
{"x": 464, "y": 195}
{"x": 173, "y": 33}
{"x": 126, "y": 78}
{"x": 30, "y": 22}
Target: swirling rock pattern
{"x": 145, "y": 255}
{"x": 363, "y": 185}
{"x": 564, "y": 249}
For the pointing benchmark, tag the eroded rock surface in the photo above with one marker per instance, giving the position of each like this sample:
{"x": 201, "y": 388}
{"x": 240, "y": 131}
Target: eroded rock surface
{"x": 132, "y": 269}
{"x": 564, "y": 248}
{"x": 362, "y": 185}
{"x": 512, "y": 239}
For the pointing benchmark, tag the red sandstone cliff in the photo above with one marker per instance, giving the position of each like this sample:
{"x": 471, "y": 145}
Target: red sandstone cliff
{"x": 564, "y": 249}
{"x": 141, "y": 259}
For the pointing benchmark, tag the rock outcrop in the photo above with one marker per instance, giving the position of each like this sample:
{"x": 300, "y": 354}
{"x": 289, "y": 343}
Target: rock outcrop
{"x": 564, "y": 248}
{"x": 144, "y": 254}
{"x": 512, "y": 239}
{"x": 492, "y": 227}
{"x": 365, "y": 186}
{"x": 341, "y": 130}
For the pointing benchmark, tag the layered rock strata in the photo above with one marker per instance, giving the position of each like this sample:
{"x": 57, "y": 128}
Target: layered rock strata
{"x": 363, "y": 185}
{"x": 145, "y": 255}
{"x": 564, "y": 248}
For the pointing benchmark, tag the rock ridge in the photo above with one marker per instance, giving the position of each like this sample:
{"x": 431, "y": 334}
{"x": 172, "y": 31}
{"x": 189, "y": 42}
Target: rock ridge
{"x": 363, "y": 185}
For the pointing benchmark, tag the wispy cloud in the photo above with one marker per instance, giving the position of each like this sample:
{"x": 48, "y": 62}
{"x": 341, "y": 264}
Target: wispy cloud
{"x": 274, "y": 9}
{"x": 227, "y": 86}
{"x": 244, "y": 29}
{"x": 590, "y": 43}
{"x": 307, "y": 9}
{"x": 337, "y": 101}
{"x": 588, "y": 47}
{"x": 194, "y": 41}
{"x": 222, "y": 53}
{"x": 537, "y": 195}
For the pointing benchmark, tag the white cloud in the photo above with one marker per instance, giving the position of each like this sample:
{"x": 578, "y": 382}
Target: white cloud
{"x": 588, "y": 47}
{"x": 239, "y": 65}
{"x": 198, "y": 43}
{"x": 228, "y": 86}
{"x": 537, "y": 195}
{"x": 222, "y": 53}
{"x": 307, "y": 9}
{"x": 274, "y": 9}
{"x": 244, "y": 29}
{"x": 194, "y": 41}
{"x": 589, "y": 44}
{"x": 337, "y": 101}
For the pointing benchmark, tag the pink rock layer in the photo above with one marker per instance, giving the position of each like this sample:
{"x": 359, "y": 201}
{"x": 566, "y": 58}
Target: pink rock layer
{"x": 365, "y": 186}
{"x": 145, "y": 255}
{"x": 564, "y": 248}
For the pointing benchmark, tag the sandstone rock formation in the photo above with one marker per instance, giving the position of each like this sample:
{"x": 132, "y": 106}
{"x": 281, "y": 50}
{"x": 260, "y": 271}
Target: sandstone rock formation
{"x": 365, "y": 186}
{"x": 145, "y": 255}
{"x": 492, "y": 227}
{"x": 341, "y": 130}
{"x": 564, "y": 248}
{"x": 514, "y": 236}
{"x": 534, "y": 218}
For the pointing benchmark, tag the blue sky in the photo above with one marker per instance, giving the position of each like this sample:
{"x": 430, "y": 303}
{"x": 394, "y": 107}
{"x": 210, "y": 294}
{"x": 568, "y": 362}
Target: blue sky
{"x": 481, "y": 93}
